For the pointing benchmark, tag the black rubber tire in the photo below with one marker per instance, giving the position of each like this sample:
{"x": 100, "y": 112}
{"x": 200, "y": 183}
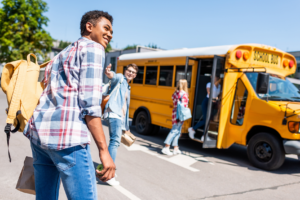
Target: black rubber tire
{"x": 142, "y": 124}
{"x": 266, "y": 151}
{"x": 155, "y": 129}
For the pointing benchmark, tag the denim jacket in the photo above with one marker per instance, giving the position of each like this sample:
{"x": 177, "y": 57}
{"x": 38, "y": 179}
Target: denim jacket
{"x": 116, "y": 105}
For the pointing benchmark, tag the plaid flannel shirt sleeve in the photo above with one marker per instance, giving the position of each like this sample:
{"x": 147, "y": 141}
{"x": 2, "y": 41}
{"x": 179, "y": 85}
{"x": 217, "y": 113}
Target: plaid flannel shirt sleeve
{"x": 175, "y": 99}
{"x": 90, "y": 80}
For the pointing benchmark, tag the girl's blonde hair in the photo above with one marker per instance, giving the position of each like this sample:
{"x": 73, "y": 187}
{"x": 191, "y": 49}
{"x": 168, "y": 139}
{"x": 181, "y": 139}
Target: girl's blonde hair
{"x": 182, "y": 85}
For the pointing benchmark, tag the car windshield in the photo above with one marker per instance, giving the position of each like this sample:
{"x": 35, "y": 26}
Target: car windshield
{"x": 280, "y": 89}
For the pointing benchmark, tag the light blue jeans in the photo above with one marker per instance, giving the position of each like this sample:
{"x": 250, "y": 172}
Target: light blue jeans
{"x": 74, "y": 166}
{"x": 115, "y": 133}
{"x": 174, "y": 134}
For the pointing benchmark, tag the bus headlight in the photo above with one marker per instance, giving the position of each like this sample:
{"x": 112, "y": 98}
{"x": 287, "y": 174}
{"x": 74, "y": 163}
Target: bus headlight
{"x": 294, "y": 127}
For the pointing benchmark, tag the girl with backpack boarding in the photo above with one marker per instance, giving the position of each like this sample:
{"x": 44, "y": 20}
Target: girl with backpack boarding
{"x": 180, "y": 96}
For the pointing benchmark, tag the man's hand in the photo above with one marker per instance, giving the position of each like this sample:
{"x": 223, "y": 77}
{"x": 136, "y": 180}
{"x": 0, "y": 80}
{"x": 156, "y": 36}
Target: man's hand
{"x": 95, "y": 126}
{"x": 108, "y": 72}
{"x": 109, "y": 167}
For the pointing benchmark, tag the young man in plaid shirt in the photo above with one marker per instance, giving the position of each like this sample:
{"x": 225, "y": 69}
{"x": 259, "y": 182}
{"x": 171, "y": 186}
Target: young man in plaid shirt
{"x": 69, "y": 109}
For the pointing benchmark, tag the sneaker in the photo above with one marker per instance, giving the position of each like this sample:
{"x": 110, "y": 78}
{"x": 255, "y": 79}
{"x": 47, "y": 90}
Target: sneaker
{"x": 176, "y": 151}
{"x": 166, "y": 151}
{"x": 113, "y": 182}
{"x": 191, "y": 132}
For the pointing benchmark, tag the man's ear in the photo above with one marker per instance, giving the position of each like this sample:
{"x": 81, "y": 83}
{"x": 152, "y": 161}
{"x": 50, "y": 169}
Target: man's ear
{"x": 89, "y": 27}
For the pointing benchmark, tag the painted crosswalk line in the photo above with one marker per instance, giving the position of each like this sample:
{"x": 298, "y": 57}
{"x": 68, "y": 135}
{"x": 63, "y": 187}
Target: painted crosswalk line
{"x": 182, "y": 160}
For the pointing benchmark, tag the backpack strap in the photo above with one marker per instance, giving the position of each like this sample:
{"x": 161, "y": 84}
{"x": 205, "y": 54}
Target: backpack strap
{"x": 15, "y": 101}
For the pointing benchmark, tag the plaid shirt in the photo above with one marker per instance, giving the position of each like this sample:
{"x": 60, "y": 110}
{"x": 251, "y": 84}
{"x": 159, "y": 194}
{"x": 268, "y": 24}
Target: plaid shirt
{"x": 73, "y": 84}
{"x": 176, "y": 97}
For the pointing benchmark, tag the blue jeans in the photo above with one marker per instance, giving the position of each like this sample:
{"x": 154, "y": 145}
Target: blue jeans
{"x": 74, "y": 166}
{"x": 174, "y": 134}
{"x": 204, "y": 112}
{"x": 115, "y": 133}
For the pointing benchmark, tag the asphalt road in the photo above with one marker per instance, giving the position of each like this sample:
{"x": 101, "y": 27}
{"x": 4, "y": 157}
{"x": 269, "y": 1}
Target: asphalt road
{"x": 144, "y": 173}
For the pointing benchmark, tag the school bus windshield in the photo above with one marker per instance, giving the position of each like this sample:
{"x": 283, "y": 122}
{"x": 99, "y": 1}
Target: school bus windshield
{"x": 280, "y": 89}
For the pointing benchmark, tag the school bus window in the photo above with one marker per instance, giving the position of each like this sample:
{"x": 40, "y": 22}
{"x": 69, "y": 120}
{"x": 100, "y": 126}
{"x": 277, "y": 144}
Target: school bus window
{"x": 180, "y": 74}
{"x": 239, "y": 104}
{"x": 151, "y": 75}
{"x": 139, "y": 76}
{"x": 166, "y": 75}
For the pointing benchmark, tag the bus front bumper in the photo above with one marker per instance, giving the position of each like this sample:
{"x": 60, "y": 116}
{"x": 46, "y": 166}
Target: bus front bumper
{"x": 292, "y": 146}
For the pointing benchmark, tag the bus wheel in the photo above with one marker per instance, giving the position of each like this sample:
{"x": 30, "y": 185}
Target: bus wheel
{"x": 265, "y": 151}
{"x": 142, "y": 124}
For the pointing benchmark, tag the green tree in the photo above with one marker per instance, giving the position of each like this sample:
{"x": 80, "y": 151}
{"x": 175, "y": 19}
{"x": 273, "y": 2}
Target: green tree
{"x": 22, "y": 29}
{"x": 130, "y": 47}
{"x": 63, "y": 44}
{"x": 153, "y": 46}
{"x": 108, "y": 48}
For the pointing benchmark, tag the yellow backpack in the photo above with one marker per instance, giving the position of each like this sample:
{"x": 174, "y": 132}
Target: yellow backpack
{"x": 19, "y": 81}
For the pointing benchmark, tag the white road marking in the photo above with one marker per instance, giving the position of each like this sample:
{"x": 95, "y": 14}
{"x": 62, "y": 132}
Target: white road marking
{"x": 126, "y": 192}
{"x": 181, "y": 160}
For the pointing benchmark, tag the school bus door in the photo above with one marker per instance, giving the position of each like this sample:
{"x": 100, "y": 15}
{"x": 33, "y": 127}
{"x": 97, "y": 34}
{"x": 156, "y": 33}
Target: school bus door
{"x": 213, "y": 128}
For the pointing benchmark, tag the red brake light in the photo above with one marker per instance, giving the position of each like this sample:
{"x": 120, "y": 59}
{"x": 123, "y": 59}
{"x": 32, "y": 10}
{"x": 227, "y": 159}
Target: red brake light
{"x": 238, "y": 54}
{"x": 291, "y": 63}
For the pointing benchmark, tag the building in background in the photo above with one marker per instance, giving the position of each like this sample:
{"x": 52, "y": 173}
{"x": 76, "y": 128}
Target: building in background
{"x": 112, "y": 57}
{"x": 54, "y": 51}
{"x": 297, "y": 56}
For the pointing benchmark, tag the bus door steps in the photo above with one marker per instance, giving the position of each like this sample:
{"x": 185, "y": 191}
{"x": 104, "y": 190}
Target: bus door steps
{"x": 211, "y": 134}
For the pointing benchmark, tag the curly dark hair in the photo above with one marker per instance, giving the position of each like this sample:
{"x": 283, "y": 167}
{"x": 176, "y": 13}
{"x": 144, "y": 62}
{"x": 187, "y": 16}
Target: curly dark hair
{"x": 93, "y": 17}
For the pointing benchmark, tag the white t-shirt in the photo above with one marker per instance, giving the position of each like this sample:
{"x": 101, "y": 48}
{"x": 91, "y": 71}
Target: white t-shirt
{"x": 216, "y": 90}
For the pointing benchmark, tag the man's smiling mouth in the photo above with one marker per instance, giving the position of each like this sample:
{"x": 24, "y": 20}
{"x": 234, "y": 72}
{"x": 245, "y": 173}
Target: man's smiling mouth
{"x": 106, "y": 40}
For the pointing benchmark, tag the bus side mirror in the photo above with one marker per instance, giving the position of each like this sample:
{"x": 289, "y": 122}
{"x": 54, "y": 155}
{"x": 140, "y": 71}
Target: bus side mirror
{"x": 262, "y": 85}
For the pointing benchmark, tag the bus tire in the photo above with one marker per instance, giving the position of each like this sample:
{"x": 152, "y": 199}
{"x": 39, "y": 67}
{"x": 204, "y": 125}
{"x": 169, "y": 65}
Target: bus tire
{"x": 142, "y": 124}
{"x": 266, "y": 151}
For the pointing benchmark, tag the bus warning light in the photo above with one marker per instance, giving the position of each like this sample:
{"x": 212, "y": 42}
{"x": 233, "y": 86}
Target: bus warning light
{"x": 285, "y": 63}
{"x": 291, "y": 63}
{"x": 246, "y": 55}
{"x": 238, "y": 54}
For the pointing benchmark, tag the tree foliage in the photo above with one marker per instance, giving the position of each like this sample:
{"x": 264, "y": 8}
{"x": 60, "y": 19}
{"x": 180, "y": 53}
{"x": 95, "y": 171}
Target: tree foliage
{"x": 22, "y": 29}
{"x": 130, "y": 47}
{"x": 63, "y": 44}
{"x": 108, "y": 48}
{"x": 153, "y": 46}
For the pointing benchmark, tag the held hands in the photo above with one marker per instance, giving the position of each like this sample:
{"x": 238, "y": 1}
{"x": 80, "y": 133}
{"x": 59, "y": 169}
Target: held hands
{"x": 109, "y": 167}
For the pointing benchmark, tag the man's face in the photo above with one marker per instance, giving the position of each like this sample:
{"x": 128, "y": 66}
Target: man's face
{"x": 102, "y": 32}
{"x": 130, "y": 73}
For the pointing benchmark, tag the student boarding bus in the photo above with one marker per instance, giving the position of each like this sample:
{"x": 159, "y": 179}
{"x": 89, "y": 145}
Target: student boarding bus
{"x": 253, "y": 79}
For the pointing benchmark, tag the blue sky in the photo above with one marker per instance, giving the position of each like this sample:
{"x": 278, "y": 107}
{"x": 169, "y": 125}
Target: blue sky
{"x": 172, "y": 24}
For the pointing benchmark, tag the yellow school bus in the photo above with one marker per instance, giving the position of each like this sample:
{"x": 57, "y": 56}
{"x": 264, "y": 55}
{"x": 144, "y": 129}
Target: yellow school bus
{"x": 259, "y": 107}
